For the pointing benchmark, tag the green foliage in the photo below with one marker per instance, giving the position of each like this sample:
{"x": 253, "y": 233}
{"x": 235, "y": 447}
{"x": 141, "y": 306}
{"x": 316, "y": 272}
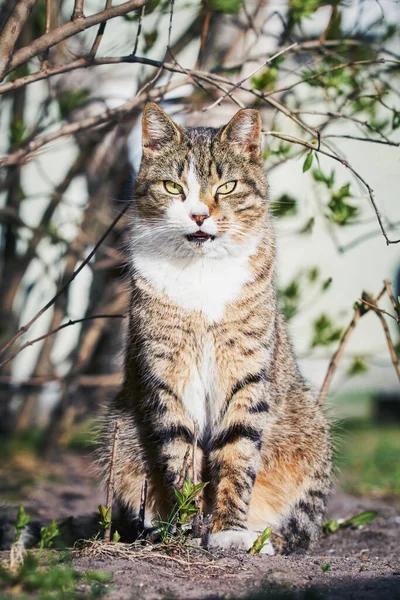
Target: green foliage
{"x": 320, "y": 176}
{"x": 313, "y": 274}
{"x": 69, "y": 100}
{"x": 261, "y": 541}
{"x": 362, "y": 518}
{"x": 282, "y": 151}
{"x": 308, "y": 226}
{"x": 325, "y": 332}
{"x": 21, "y": 522}
{"x": 17, "y": 132}
{"x": 50, "y": 581}
{"x": 150, "y": 38}
{"x": 182, "y": 514}
{"x": 300, "y": 9}
{"x": 225, "y": 6}
{"x": 284, "y": 206}
{"x": 308, "y": 161}
{"x": 290, "y": 299}
{"x": 105, "y": 517}
{"x": 325, "y": 566}
{"x": 151, "y": 6}
{"x": 266, "y": 80}
{"x": 357, "y": 367}
{"x": 116, "y": 537}
{"x": 186, "y": 507}
{"x": 47, "y": 535}
{"x": 341, "y": 212}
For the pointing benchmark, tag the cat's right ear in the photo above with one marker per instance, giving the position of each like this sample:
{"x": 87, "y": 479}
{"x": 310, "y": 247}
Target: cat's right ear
{"x": 157, "y": 130}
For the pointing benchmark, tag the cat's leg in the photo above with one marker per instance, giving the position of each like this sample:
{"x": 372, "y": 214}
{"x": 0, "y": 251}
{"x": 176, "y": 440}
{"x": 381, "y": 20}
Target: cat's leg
{"x": 234, "y": 459}
{"x": 292, "y": 487}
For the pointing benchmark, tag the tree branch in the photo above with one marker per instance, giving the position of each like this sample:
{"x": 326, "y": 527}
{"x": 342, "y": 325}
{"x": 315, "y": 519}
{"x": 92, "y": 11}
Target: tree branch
{"x": 67, "y": 30}
{"x": 11, "y": 31}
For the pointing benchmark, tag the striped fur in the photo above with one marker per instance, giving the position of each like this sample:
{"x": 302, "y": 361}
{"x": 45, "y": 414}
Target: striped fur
{"x": 207, "y": 344}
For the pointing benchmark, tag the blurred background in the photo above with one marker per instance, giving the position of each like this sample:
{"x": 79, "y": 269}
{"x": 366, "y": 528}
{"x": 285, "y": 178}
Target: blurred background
{"x": 75, "y": 78}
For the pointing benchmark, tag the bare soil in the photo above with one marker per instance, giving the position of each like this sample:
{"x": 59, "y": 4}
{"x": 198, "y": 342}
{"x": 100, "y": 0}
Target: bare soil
{"x": 364, "y": 562}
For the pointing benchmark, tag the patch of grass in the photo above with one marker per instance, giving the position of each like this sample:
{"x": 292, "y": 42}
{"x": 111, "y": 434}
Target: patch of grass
{"x": 84, "y": 437}
{"x": 368, "y": 458}
{"x": 30, "y": 441}
{"x": 48, "y": 580}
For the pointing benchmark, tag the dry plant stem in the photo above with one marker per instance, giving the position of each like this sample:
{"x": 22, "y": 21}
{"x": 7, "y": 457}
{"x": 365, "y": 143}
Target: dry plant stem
{"x": 67, "y": 30}
{"x": 78, "y": 10}
{"x": 100, "y": 33}
{"x": 112, "y": 380}
{"x": 392, "y": 351}
{"x": 110, "y": 484}
{"x": 392, "y": 299}
{"x": 337, "y": 356}
{"x": 194, "y": 450}
{"x": 11, "y": 31}
{"x": 54, "y": 331}
{"x": 377, "y": 309}
{"x": 339, "y": 352}
{"x": 142, "y": 508}
{"x": 50, "y": 303}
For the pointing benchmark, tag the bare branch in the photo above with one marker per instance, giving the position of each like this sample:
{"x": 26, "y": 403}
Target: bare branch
{"x": 54, "y": 331}
{"x": 50, "y": 303}
{"x": 392, "y": 299}
{"x": 11, "y": 31}
{"x": 78, "y": 10}
{"x": 334, "y": 362}
{"x": 110, "y": 484}
{"x": 63, "y": 32}
{"x": 100, "y": 32}
{"x": 376, "y": 309}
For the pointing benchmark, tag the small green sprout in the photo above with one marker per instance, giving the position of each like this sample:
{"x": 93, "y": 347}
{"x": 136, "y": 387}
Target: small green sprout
{"x": 261, "y": 541}
{"x": 105, "y": 517}
{"x": 21, "y": 522}
{"x": 325, "y": 566}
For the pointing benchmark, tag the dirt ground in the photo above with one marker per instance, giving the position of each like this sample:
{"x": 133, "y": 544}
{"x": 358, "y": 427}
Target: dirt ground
{"x": 364, "y": 562}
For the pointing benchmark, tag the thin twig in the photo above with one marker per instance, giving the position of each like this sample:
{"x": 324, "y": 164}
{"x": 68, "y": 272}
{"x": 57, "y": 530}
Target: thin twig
{"x": 78, "y": 10}
{"x": 359, "y": 311}
{"x": 64, "y": 287}
{"x": 67, "y": 30}
{"x": 142, "y": 508}
{"x": 110, "y": 484}
{"x": 376, "y": 308}
{"x": 11, "y": 32}
{"x": 242, "y": 81}
{"x": 389, "y": 341}
{"x": 100, "y": 33}
{"x": 139, "y": 30}
{"x": 54, "y": 331}
{"x": 392, "y": 299}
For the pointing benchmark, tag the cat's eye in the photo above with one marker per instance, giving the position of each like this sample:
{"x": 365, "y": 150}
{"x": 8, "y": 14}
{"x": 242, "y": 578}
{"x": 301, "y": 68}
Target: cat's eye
{"x": 227, "y": 188}
{"x": 173, "y": 188}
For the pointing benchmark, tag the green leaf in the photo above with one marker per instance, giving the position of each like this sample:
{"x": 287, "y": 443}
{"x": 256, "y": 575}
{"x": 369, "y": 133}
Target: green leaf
{"x": 308, "y": 161}
{"x": 330, "y": 527}
{"x": 308, "y": 226}
{"x": 325, "y": 332}
{"x": 360, "y": 519}
{"x": 266, "y": 80}
{"x": 22, "y": 520}
{"x": 99, "y": 576}
{"x": 327, "y": 284}
{"x": 116, "y": 537}
{"x": 313, "y": 274}
{"x": 325, "y": 567}
{"x": 70, "y": 100}
{"x": 261, "y": 541}
{"x": 284, "y": 206}
{"x": 357, "y": 367}
{"x": 47, "y": 534}
{"x": 225, "y": 6}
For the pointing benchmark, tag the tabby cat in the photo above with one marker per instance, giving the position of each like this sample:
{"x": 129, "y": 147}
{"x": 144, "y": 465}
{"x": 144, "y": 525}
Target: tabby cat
{"x": 207, "y": 349}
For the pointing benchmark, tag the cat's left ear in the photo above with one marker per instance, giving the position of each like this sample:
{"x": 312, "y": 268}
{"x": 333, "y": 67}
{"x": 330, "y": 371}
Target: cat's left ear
{"x": 244, "y": 132}
{"x": 158, "y": 130}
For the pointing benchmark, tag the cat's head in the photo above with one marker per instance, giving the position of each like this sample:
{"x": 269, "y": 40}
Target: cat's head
{"x": 200, "y": 191}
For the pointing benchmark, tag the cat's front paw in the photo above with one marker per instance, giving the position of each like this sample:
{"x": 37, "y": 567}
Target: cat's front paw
{"x": 243, "y": 540}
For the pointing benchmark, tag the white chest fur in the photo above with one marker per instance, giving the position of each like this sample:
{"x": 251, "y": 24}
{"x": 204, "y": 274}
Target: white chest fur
{"x": 196, "y": 284}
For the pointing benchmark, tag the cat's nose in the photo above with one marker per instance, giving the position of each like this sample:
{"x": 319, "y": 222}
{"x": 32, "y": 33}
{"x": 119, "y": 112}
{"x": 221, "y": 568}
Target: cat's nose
{"x": 199, "y": 219}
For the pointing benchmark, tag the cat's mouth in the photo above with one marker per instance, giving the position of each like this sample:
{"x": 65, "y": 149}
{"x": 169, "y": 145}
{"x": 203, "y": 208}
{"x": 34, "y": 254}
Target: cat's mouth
{"x": 199, "y": 237}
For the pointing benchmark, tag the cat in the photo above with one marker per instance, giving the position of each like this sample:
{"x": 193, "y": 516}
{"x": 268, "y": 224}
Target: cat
{"x": 207, "y": 350}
